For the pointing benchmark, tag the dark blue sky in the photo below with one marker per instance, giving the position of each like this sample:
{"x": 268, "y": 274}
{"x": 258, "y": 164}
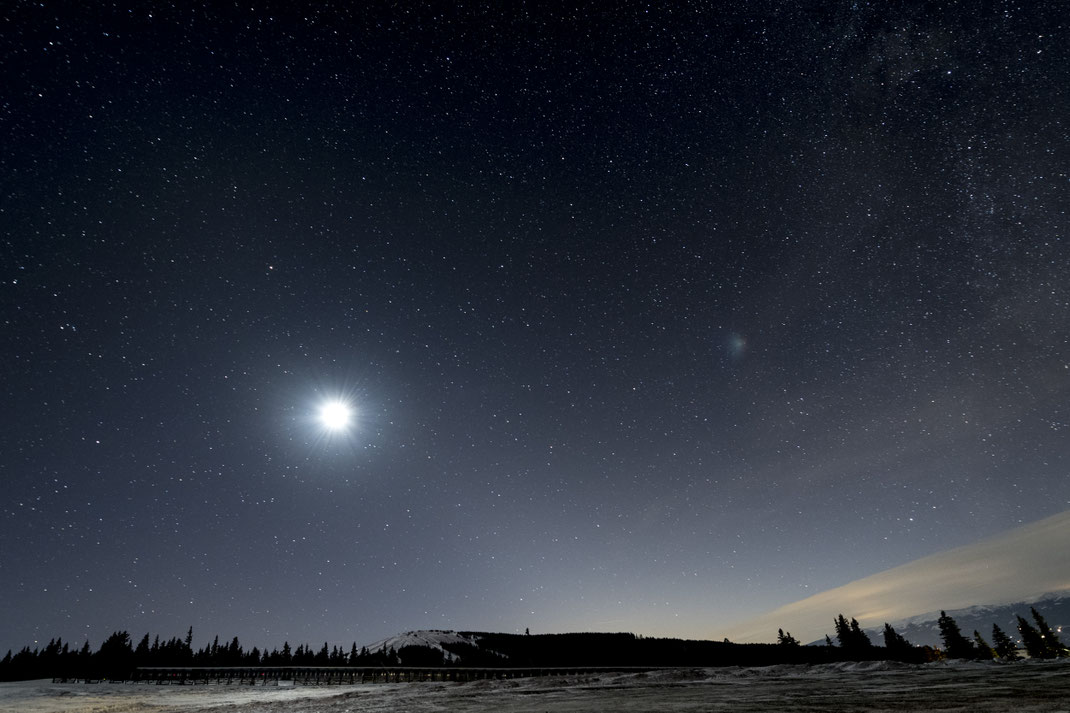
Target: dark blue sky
{"x": 654, "y": 318}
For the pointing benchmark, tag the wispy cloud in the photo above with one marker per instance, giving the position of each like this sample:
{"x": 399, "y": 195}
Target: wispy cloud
{"x": 1015, "y": 565}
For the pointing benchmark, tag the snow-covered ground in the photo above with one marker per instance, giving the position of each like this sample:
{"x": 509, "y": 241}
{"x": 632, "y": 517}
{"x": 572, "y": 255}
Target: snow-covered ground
{"x": 1032, "y": 687}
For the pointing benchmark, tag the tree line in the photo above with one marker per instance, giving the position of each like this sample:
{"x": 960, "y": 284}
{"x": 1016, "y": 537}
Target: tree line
{"x": 118, "y": 656}
{"x": 1038, "y": 639}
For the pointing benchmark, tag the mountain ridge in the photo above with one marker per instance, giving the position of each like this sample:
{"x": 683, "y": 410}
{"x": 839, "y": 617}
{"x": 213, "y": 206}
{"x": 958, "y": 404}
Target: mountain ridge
{"x": 923, "y": 629}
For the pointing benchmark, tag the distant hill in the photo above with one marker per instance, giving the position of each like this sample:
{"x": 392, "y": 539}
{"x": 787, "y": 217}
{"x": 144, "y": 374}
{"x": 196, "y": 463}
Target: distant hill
{"x": 486, "y": 649}
{"x": 446, "y": 642}
{"x": 474, "y": 648}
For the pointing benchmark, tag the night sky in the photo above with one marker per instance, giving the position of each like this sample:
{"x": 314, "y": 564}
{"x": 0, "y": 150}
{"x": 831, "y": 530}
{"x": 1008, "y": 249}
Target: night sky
{"x": 653, "y": 317}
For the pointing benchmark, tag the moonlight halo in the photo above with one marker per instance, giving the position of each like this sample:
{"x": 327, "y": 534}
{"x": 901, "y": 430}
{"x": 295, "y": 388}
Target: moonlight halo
{"x": 335, "y": 415}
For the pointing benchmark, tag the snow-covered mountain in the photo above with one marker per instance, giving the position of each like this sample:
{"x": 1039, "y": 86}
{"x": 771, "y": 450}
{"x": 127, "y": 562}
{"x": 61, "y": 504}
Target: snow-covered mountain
{"x": 437, "y": 639}
{"x": 924, "y": 630}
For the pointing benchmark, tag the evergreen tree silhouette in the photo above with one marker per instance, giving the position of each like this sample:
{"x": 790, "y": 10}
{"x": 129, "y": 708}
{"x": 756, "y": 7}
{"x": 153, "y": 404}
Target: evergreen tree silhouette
{"x": 1004, "y": 645}
{"x": 851, "y": 636}
{"x": 956, "y": 646}
{"x": 85, "y": 658}
{"x": 1053, "y": 648}
{"x": 981, "y": 647}
{"x": 859, "y": 638}
{"x": 1032, "y": 640}
{"x": 115, "y": 659}
{"x": 896, "y": 644}
{"x": 843, "y": 631}
{"x": 141, "y": 653}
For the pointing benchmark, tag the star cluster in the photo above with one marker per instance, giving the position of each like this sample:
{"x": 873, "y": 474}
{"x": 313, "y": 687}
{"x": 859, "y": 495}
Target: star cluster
{"x": 653, "y": 316}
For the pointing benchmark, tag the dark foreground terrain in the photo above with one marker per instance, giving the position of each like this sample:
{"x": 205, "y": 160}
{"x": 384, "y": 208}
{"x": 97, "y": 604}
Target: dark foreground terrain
{"x": 1029, "y": 687}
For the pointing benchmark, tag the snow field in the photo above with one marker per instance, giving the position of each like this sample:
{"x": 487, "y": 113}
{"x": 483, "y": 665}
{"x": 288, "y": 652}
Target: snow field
{"x": 1030, "y": 687}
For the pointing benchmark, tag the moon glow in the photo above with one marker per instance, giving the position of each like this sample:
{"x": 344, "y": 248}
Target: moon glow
{"x": 335, "y": 415}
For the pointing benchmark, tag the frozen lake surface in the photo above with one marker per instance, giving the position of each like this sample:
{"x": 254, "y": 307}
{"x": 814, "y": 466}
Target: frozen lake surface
{"x": 1029, "y": 687}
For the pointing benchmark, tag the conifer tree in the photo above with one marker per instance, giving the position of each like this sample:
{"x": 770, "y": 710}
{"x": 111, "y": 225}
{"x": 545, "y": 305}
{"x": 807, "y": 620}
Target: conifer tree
{"x": 851, "y": 636}
{"x": 142, "y": 650}
{"x": 859, "y": 638}
{"x": 1032, "y": 640}
{"x": 1004, "y": 645}
{"x": 786, "y": 639}
{"x": 896, "y": 644}
{"x": 981, "y": 648}
{"x": 188, "y": 653}
{"x": 843, "y": 631}
{"x": 234, "y": 653}
{"x": 956, "y": 646}
{"x": 115, "y": 659}
{"x": 1053, "y": 648}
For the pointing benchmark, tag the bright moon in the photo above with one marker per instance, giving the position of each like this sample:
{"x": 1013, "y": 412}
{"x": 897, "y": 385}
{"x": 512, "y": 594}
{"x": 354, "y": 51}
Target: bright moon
{"x": 335, "y": 415}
